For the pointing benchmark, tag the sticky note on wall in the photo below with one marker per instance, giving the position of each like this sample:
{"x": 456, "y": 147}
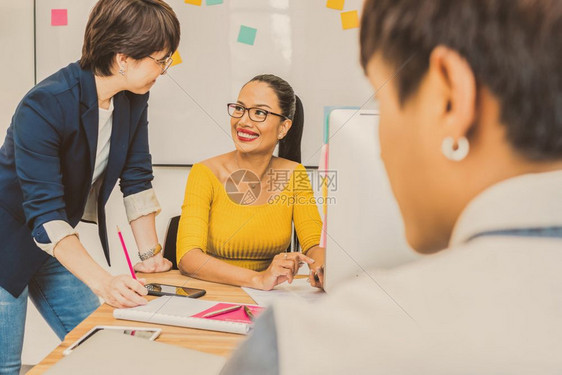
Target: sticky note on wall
{"x": 214, "y": 2}
{"x": 176, "y": 58}
{"x": 349, "y": 20}
{"x": 193, "y": 2}
{"x": 335, "y": 4}
{"x": 59, "y": 17}
{"x": 247, "y": 35}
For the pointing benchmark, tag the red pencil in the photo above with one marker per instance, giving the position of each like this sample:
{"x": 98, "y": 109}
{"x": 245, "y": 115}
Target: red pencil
{"x": 126, "y": 254}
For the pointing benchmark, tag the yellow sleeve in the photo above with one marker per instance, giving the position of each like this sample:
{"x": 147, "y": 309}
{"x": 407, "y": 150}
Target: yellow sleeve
{"x": 194, "y": 221}
{"x": 308, "y": 223}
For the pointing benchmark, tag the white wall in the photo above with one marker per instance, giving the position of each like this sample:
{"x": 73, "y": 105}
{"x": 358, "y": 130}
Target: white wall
{"x": 16, "y": 64}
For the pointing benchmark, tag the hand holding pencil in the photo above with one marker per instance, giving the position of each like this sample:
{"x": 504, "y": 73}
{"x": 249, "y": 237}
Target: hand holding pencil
{"x": 123, "y": 290}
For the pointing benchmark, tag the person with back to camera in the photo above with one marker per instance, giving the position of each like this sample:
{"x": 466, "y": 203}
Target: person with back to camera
{"x": 71, "y": 138}
{"x": 470, "y": 95}
{"x": 236, "y": 219}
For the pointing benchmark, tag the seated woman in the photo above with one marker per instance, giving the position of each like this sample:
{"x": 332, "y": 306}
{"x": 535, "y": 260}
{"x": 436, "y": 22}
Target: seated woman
{"x": 238, "y": 211}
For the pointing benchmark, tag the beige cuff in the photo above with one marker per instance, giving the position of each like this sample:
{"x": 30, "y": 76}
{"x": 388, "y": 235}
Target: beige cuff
{"x": 56, "y": 230}
{"x": 141, "y": 204}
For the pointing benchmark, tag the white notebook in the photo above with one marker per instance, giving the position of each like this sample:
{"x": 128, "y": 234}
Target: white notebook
{"x": 186, "y": 312}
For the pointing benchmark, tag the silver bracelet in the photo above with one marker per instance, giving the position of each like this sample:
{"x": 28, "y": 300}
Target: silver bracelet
{"x": 150, "y": 253}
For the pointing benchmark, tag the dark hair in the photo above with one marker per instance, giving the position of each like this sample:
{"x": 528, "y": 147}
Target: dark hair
{"x": 135, "y": 28}
{"x": 512, "y": 46}
{"x": 291, "y": 107}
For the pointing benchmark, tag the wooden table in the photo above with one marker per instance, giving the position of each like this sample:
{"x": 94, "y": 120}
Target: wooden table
{"x": 220, "y": 343}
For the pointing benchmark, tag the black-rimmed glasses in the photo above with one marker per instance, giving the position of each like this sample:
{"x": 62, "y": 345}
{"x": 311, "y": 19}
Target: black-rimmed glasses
{"x": 256, "y": 114}
{"x": 164, "y": 63}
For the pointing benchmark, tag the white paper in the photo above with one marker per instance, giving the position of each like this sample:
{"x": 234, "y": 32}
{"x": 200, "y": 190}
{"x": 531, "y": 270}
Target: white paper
{"x": 300, "y": 288}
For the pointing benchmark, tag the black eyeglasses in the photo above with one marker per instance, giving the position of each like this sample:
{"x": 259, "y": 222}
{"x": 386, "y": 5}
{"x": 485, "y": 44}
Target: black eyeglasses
{"x": 256, "y": 114}
{"x": 164, "y": 63}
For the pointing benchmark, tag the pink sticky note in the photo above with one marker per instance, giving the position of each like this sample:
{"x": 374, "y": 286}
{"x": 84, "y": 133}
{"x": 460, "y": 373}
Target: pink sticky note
{"x": 59, "y": 17}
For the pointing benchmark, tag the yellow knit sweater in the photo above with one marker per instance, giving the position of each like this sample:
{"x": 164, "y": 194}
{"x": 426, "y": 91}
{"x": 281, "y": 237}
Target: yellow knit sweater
{"x": 247, "y": 236}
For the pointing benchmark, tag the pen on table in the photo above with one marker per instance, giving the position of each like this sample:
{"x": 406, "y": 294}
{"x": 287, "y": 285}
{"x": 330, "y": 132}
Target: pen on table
{"x": 221, "y": 311}
{"x": 126, "y": 254}
{"x": 249, "y": 313}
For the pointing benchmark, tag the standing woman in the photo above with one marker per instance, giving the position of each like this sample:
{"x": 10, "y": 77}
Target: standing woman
{"x": 72, "y": 136}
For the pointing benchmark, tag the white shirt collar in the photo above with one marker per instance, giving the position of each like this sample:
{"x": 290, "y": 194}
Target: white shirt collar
{"x": 527, "y": 201}
{"x": 109, "y": 109}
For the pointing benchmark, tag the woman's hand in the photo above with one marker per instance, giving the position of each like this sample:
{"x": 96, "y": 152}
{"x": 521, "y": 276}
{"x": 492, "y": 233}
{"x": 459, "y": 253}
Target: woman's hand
{"x": 123, "y": 291}
{"x": 283, "y": 268}
{"x": 117, "y": 291}
{"x": 156, "y": 263}
{"x": 316, "y": 275}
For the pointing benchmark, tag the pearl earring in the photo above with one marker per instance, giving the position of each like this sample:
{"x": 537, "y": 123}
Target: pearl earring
{"x": 453, "y": 153}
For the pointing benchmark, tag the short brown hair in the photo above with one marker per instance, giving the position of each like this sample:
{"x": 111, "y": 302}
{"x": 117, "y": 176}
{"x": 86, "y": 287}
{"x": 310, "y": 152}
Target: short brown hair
{"x": 135, "y": 28}
{"x": 512, "y": 46}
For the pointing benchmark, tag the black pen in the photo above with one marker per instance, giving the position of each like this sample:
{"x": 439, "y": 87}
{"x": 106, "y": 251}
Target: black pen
{"x": 316, "y": 277}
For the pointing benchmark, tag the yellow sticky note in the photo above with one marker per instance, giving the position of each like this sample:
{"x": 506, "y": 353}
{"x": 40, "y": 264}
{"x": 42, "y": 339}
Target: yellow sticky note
{"x": 335, "y": 4}
{"x": 194, "y": 2}
{"x": 349, "y": 20}
{"x": 176, "y": 58}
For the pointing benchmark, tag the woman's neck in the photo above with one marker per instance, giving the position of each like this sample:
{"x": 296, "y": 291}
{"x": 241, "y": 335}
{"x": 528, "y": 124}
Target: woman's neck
{"x": 106, "y": 88}
{"x": 259, "y": 164}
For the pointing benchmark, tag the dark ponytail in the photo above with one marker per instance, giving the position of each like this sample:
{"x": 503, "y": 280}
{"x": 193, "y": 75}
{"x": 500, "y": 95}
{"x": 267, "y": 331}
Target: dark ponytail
{"x": 291, "y": 107}
{"x": 290, "y": 146}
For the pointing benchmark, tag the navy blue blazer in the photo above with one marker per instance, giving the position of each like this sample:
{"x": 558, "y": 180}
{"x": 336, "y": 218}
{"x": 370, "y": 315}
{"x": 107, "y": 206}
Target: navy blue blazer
{"x": 47, "y": 164}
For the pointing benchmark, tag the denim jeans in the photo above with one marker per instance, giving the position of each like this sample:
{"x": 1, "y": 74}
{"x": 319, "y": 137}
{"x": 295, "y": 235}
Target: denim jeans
{"x": 61, "y": 298}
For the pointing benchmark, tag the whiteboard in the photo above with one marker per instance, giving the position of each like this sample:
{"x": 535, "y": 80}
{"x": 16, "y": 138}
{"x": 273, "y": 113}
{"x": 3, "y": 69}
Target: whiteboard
{"x": 302, "y": 41}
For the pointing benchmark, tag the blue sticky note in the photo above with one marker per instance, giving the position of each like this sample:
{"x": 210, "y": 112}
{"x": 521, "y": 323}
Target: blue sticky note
{"x": 247, "y": 35}
{"x": 214, "y": 2}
